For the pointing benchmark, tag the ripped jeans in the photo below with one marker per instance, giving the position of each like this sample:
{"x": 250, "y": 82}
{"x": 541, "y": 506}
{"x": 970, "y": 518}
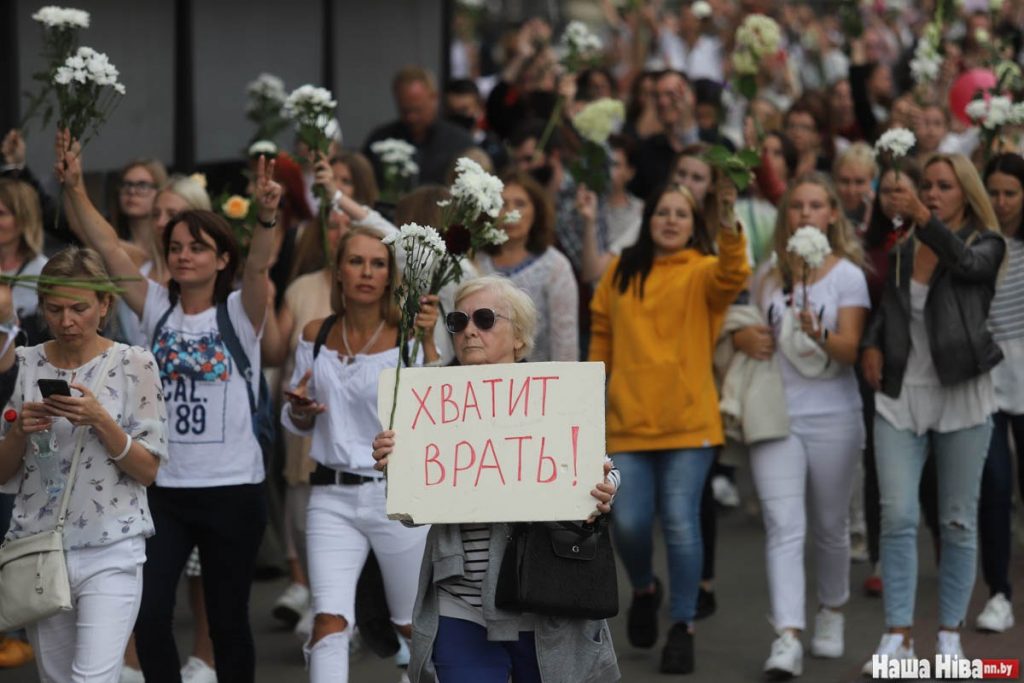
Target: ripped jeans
{"x": 900, "y": 456}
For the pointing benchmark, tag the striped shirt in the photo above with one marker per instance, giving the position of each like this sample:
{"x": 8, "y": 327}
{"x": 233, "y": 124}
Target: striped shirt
{"x": 1006, "y": 318}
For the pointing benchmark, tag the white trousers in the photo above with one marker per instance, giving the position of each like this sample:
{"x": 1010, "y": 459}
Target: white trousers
{"x": 342, "y": 524}
{"x": 808, "y": 476}
{"x": 86, "y": 644}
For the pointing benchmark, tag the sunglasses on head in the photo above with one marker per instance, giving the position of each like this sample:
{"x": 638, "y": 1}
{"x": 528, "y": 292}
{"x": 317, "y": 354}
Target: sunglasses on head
{"x": 483, "y": 318}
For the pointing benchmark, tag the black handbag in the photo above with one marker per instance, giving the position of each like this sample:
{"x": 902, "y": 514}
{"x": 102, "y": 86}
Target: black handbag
{"x": 559, "y": 569}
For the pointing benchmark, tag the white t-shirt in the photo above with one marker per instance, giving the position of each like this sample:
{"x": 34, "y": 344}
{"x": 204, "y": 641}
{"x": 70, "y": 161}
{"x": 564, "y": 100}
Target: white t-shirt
{"x": 26, "y": 299}
{"x": 842, "y": 287}
{"x": 209, "y": 425}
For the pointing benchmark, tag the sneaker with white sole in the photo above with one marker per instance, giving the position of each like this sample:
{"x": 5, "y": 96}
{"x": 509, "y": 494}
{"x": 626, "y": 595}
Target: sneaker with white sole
{"x": 948, "y": 643}
{"x": 892, "y": 647}
{"x": 291, "y": 604}
{"x": 997, "y": 615}
{"x": 786, "y": 658}
{"x": 197, "y": 671}
{"x": 725, "y": 492}
{"x": 828, "y": 634}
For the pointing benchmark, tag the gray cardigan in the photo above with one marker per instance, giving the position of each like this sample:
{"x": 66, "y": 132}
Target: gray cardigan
{"x": 568, "y": 650}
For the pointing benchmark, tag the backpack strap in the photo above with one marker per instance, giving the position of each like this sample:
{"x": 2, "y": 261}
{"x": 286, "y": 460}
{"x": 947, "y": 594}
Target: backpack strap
{"x": 230, "y": 339}
{"x": 159, "y": 326}
{"x": 321, "y": 335}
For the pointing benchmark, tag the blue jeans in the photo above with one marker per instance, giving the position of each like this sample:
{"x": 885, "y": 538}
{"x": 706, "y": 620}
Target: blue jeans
{"x": 669, "y": 483}
{"x": 462, "y": 654}
{"x": 900, "y": 457}
{"x": 997, "y": 502}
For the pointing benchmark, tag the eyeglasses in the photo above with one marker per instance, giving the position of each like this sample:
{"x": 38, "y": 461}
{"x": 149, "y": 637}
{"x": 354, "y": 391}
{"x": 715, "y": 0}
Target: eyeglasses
{"x": 137, "y": 187}
{"x": 483, "y": 318}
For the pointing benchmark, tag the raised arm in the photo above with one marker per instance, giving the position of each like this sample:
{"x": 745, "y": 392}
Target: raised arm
{"x": 731, "y": 270}
{"x": 257, "y": 265}
{"x": 91, "y": 227}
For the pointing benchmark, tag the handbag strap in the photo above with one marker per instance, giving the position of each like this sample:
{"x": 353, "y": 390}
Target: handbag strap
{"x": 79, "y": 446}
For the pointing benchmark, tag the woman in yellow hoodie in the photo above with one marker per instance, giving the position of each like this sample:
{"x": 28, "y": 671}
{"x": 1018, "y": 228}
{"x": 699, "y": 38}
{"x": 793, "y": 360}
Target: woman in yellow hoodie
{"x": 656, "y": 314}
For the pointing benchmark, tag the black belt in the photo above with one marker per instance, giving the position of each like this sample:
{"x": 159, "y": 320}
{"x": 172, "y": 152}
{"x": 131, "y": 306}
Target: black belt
{"x": 325, "y": 476}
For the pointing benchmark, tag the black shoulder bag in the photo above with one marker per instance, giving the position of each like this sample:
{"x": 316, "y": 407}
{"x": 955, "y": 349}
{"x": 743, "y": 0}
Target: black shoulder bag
{"x": 559, "y": 569}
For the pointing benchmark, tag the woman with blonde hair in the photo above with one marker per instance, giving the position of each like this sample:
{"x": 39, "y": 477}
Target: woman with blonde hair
{"x": 102, "y": 447}
{"x": 928, "y": 353}
{"x": 21, "y": 248}
{"x": 854, "y": 171}
{"x": 816, "y": 317}
{"x": 337, "y": 363}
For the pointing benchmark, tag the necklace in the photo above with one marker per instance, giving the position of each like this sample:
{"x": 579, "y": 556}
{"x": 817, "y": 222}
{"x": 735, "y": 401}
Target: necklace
{"x": 348, "y": 349}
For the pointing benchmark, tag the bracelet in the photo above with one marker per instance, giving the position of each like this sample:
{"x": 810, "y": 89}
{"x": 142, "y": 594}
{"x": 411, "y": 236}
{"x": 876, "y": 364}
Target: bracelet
{"x": 127, "y": 447}
{"x": 824, "y": 336}
{"x": 265, "y": 224}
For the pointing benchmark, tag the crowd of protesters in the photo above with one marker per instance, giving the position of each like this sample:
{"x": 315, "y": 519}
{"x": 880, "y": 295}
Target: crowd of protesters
{"x": 884, "y": 383}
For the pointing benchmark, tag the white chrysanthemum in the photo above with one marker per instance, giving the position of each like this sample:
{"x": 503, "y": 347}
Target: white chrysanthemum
{"x": 62, "y": 17}
{"x": 578, "y": 39}
{"x": 268, "y": 86}
{"x": 87, "y": 65}
{"x": 743, "y": 63}
{"x": 63, "y": 75}
{"x": 759, "y": 35}
{"x": 999, "y": 110}
{"x": 927, "y": 62}
{"x": 976, "y": 110}
{"x": 1017, "y": 114}
{"x": 701, "y": 9}
{"x": 599, "y": 119}
{"x": 896, "y": 141}
{"x": 811, "y": 245}
{"x": 308, "y": 101}
{"x": 397, "y": 155}
{"x": 475, "y": 190}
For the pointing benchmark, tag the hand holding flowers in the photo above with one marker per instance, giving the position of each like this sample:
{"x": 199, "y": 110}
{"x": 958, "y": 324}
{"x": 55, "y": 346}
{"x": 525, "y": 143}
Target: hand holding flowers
{"x": 811, "y": 247}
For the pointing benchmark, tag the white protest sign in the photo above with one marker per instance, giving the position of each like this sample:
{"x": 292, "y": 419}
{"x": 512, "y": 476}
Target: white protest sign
{"x": 516, "y": 442}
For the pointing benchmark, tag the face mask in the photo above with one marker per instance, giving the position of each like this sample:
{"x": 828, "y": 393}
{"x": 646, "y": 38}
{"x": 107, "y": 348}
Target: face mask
{"x": 462, "y": 121}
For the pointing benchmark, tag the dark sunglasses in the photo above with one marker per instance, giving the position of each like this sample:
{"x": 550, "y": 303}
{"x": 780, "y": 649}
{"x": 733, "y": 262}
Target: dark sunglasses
{"x": 483, "y": 318}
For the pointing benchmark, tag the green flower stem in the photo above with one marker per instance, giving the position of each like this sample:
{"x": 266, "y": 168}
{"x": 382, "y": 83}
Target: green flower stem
{"x": 545, "y": 137}
{"x": 398, "y": 371}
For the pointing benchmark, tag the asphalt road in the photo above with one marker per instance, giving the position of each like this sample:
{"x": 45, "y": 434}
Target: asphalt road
{"x": 731, "y": 645}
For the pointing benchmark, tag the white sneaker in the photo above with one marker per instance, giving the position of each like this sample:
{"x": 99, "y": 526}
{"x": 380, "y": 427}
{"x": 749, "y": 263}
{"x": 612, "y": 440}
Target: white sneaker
{"x": 892, "y": 646}
{"x": 197, "y": 671}
{"x": 131, "y": 675}
{"x": 828, "y": 634}
{"x": 997, "y": 615}
{"x": 786, "y": 658}
{"x": 858, "y": 548}
{"x": 304, "y": 627}
{"x": 291, "y": 604}
{"x": 724, "y": 492}
{"x": 948, "y": 643}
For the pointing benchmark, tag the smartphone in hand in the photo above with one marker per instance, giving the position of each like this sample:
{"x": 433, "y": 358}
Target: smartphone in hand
{"x": 53, "y": 387}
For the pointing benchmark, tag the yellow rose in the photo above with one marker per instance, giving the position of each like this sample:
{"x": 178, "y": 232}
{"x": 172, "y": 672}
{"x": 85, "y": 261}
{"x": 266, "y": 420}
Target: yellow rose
{"x": 235, "y": 207}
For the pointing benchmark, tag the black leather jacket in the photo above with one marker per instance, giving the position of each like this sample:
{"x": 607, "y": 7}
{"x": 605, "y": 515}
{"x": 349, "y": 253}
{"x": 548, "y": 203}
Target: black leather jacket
{"x": 956, "y": 311}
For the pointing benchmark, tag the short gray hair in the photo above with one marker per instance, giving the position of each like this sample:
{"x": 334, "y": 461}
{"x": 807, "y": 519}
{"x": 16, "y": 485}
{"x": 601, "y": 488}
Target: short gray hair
{"x": 521, "y": 310}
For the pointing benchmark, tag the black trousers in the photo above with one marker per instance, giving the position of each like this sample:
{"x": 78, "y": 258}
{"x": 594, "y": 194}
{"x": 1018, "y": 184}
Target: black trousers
{"x": 227, "y": 524}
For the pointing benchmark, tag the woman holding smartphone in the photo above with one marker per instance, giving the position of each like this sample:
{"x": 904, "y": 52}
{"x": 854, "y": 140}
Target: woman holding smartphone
{"x": 81, "y": 391}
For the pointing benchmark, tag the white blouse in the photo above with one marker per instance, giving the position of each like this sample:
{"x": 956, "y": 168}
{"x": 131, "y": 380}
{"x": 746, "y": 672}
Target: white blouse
{"x": 924, "y": 404}
{"x": 342, "y": 436}
{"x": 106, "y": 504}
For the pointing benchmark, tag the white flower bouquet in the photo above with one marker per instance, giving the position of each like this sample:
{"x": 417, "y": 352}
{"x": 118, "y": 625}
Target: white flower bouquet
{"x": 470, "y": 219}
{"x": 991, "y": 116}
{"x": 595, "y": 123}
{"x": 757, "y": 38}
{"x": 265, "y": 106}
{"x": 398, "y": 167}
{"x": 926, "y": 64}
{"x": 60, "y": 38}
{"x": 812, "y": 247}
{"x": 895, "y": 144}
{"x": 87, "y": 92}
{"x": 312, "y": 110}
{"x": 579, "y": 46}
{"x": 424, "y": 250}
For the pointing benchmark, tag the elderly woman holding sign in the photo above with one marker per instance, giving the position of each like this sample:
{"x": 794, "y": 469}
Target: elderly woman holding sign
{"x": 337, "y": 363}
{"x": 459, "y": 634}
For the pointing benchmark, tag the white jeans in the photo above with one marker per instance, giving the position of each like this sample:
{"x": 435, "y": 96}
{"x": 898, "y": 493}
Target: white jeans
{"x": 809, "y": 474}
{"x": 87, "y": 643}
{"x": 342, "y": 524}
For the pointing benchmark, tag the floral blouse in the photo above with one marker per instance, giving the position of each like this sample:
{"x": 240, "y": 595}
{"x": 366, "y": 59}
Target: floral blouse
{"x": 106, "y": 504}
